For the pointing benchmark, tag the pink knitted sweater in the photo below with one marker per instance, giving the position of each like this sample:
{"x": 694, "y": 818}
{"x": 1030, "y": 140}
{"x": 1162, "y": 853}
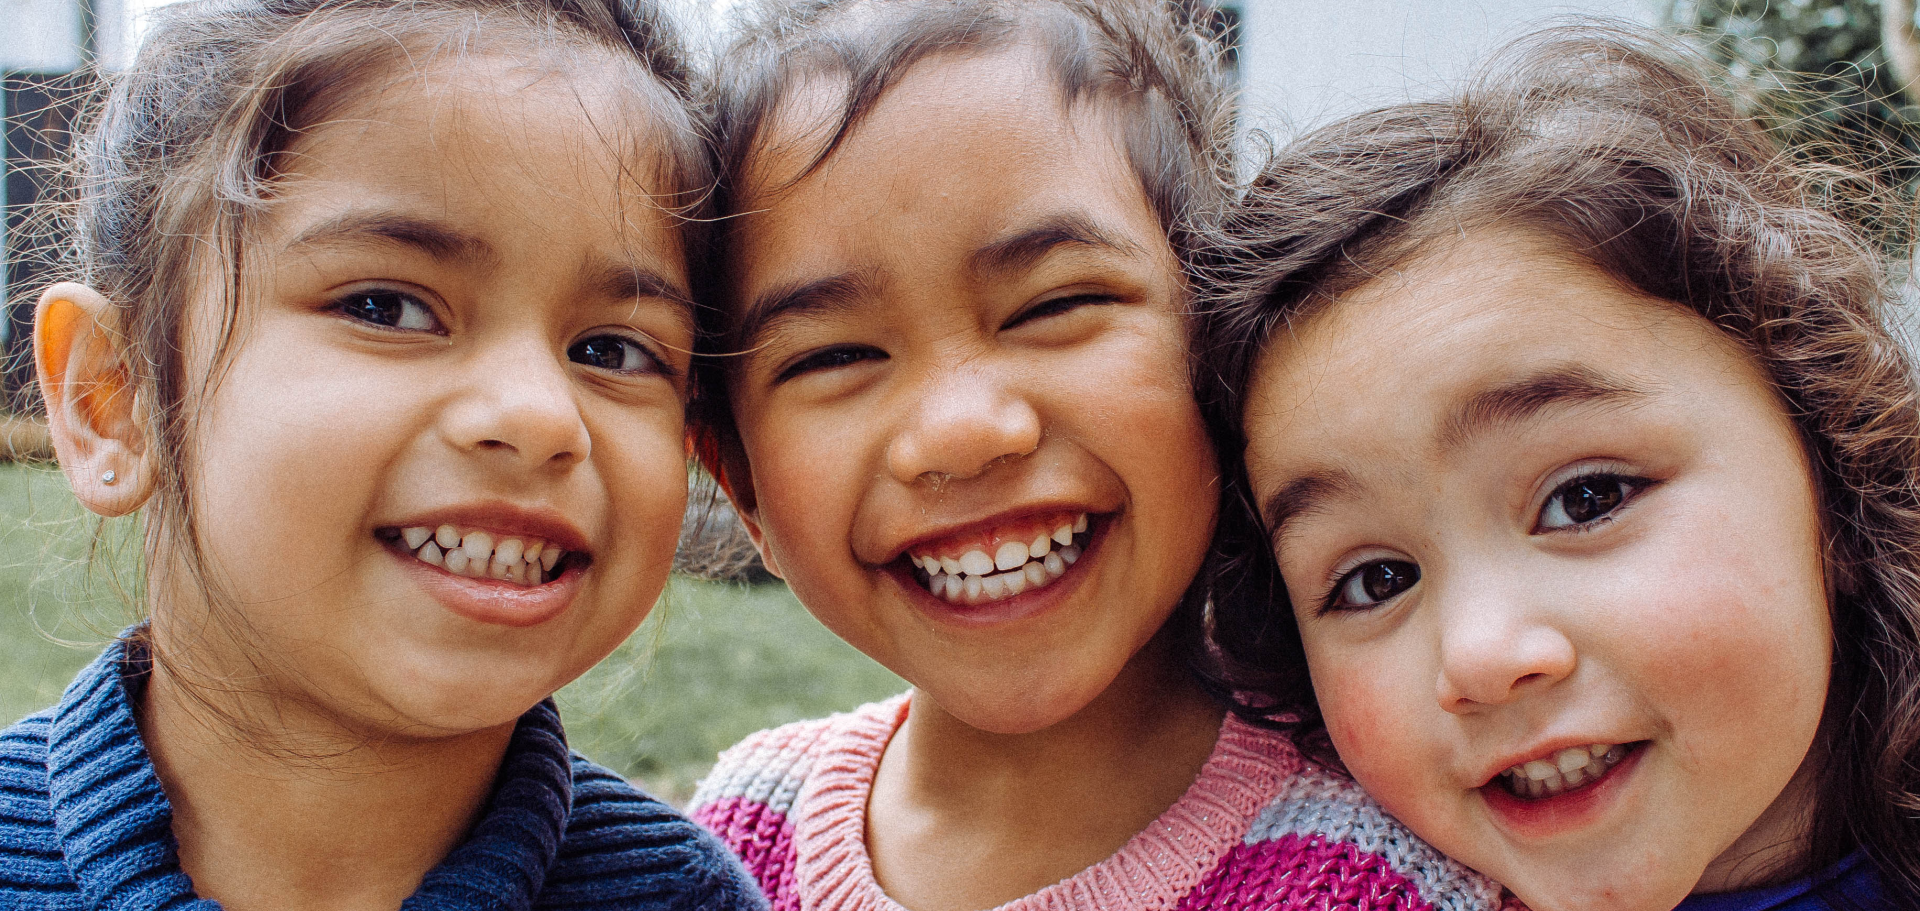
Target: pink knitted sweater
{"x": 1260, "y": 828}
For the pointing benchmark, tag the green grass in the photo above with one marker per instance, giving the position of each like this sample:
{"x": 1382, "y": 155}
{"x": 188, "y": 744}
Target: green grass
{"x": 714, "y": 662}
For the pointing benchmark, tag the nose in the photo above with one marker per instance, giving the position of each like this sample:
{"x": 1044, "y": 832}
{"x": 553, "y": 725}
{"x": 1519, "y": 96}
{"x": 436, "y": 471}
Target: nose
{"x": 1496, "y": 645}
{"x": 961, "y": 422}
{"x": 519, "y": 406}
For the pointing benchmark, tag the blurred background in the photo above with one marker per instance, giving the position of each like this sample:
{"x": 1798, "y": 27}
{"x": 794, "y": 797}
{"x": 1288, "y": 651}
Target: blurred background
{"x": 718, "y": 660}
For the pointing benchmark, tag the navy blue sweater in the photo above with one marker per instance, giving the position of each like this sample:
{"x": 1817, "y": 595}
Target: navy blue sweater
{"x": 84, "y": 824}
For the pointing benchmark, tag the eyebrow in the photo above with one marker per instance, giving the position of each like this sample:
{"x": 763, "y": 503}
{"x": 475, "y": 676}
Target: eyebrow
{"x": 1524, "y": 399}
{"x": 385, "y": 229}
{"x": 833, "y": 293}
{"x": 1503, "y": 405}
{"x": 627, "y": 282}
{"x": 1303, "y": 495}
{"x": 1022, "y": 250}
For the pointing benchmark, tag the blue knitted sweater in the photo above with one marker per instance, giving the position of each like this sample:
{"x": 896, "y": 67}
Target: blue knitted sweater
{"x": 85, "y": 825}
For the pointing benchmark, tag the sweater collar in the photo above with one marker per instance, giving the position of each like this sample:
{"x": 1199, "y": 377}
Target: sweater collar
{"x": 115, "y": 824}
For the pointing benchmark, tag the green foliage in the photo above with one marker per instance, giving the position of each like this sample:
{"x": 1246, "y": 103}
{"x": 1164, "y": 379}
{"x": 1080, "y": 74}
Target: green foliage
{"x": 1815, "y": 69}
{"x": 713, "y": 663}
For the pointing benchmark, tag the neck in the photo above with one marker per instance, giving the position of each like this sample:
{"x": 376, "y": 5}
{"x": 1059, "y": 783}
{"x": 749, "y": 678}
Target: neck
{"x": 286, "y": 810}
{"x": 1018, "y": 812}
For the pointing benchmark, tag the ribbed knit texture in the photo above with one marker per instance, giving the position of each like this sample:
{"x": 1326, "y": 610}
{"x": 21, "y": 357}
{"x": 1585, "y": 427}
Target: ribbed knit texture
{"x": 1260, "y": 828}
{"x": 84, "y": 823}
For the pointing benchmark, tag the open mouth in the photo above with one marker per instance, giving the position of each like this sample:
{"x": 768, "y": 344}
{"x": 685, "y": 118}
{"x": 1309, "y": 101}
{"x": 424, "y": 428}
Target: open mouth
{"x": 1567, "y": 770}
{"x": 1006, "y": 563}
{"x": 523, "y": 560}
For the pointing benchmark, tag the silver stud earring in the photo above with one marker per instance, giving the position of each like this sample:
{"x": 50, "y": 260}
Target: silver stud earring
{"x": 108, "y": 477}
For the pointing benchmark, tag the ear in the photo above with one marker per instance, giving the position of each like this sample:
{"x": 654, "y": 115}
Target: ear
{"x": 91, "y": 407}
{"x": 727, "y": 463}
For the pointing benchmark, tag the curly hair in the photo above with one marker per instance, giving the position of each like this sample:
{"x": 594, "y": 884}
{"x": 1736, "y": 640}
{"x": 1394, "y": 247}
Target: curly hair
{"x": 1614, "y": 146}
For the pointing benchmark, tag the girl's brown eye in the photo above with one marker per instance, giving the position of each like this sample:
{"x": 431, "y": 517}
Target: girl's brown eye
{"x": 389, "y": 308}
{"x": 1372, "y": 584}
{"x": 1586, "y": 500}
{"x": 615, "y": 353}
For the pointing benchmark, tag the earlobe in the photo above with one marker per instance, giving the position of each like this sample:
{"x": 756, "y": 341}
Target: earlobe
{"x": 92, "y": 409}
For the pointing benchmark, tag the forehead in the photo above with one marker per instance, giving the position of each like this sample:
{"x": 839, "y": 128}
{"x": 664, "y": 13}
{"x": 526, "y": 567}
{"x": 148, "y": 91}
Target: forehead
{"x": 572, "y": 129}
{"x": 963, "y": 149}
{"x": 1390, "y": 368}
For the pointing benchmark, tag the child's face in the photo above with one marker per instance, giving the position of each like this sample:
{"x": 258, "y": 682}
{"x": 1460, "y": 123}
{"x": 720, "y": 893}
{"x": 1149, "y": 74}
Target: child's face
{"x": 965, "y": 335}
{"x": 1530, "y": 521}
{"x": 462, "y": 318}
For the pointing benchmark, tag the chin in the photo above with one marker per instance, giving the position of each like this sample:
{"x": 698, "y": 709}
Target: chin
{"x": 1014, "y": 710}
{"x": 467, "y": 704}
{"x": 1564, "y": 894}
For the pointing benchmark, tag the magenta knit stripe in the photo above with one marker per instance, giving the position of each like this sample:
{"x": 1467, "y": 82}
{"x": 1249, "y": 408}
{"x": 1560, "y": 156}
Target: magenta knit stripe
{"x": 1304, "y": 873}
{"x": 763, "y": 839}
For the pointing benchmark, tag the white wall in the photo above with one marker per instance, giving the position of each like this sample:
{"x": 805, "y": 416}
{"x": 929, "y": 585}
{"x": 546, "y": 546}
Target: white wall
{"x": 1305, "y": 62}
{"x": 41, "y": 36}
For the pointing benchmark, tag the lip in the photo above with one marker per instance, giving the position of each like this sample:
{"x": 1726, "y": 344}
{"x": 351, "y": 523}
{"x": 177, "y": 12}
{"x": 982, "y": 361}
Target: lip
{"x": 1008, "y": 610}
{"x": 493, "y": 601}
{"x": 1550, "y": 816}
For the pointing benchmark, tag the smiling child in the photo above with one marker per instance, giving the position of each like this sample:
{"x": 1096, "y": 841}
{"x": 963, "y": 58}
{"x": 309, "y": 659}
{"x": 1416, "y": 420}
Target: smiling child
{"x": 382, "y": 314}
{"x": 1573, "y": 426}
{"x": 959, "y": 425}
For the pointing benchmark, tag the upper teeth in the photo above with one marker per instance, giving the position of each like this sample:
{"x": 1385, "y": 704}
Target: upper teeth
{"x": 476, "y": 554}
{"x": 977, "y": 576}
{"x": 1568, "y": 768}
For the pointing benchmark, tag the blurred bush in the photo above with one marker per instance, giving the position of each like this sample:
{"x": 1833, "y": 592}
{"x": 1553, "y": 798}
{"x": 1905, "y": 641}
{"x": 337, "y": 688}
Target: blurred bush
{"x": 1821, "y": 73}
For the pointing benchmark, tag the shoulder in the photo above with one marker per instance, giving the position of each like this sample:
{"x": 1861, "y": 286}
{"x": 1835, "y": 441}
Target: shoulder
{"x": 31, "y": 862}
{"x": 767, "y": 769}
{"x": 1321, "y": 831}
{"x": 23, "y": 748}
{"x": 624, "y": 849}
{"x": 748, "y": 799}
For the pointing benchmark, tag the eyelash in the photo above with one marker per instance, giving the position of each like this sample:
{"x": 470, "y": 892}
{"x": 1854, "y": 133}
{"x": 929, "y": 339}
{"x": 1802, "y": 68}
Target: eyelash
{"x": 1057, "y": 306}
{"x": 844, "y": 355}
{"x": 828, "y": 359}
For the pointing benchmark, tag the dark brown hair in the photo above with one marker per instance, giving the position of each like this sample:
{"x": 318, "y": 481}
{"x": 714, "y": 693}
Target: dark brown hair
{"x": 1157, "y": 60}
{"x": 1614, "y": 147}
{"x": 177, "y": 160}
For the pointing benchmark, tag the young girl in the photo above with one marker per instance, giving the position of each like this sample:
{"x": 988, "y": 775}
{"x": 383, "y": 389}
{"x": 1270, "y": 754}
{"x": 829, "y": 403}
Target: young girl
{"x": 1591, "y": 469}
{"x": 381, "y": 312}
{"x": 960, "y": 427}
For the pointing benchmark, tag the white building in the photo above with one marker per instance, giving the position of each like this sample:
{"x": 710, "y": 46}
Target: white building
{"x": 1306, "y": 62}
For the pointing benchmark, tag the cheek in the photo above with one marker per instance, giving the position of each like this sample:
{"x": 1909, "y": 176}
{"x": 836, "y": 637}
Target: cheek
{"x": 1727, "y": 632}
{"x": 647, "y": 477}
{"x": 1372, "y": 718}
